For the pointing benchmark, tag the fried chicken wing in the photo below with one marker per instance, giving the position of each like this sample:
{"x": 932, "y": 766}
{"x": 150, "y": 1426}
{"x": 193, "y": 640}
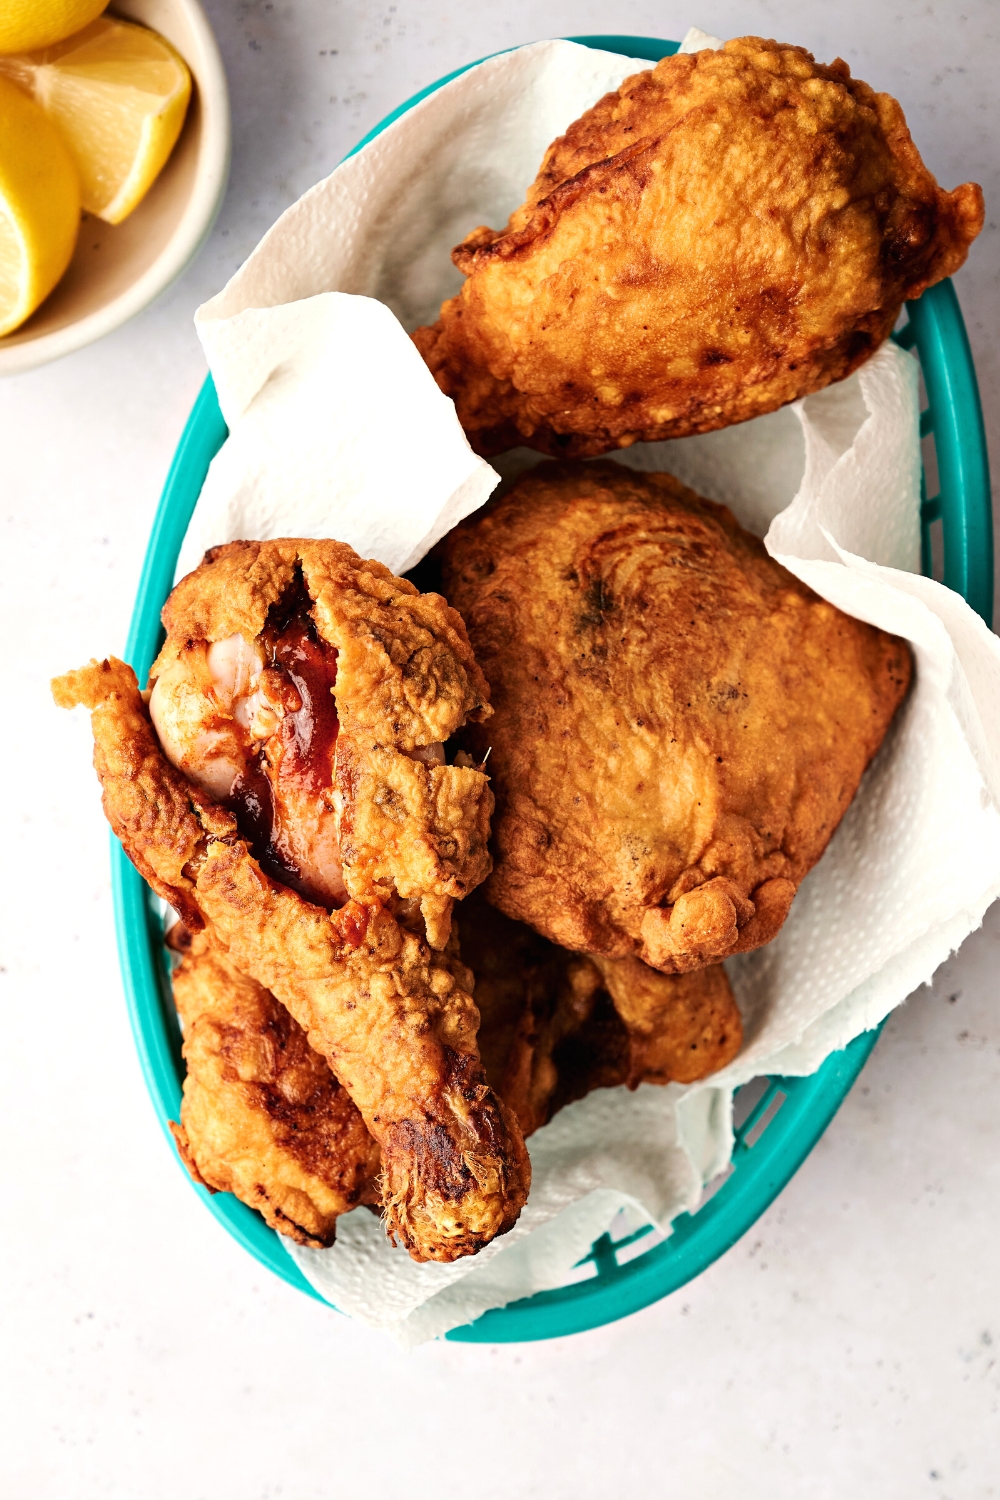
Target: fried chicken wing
{"x": 556, "y": 1025}
{"x": 681, "y": 1027}
{"x": 392, "y": 1017}
{"x": 679, "y": 724}
{"x": 263, "y": 1116}
{"x": 725, "y": 233}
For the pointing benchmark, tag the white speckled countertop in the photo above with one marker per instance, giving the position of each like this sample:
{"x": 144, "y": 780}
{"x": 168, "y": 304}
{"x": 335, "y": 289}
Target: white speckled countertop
{"x": 848, "y": 1346}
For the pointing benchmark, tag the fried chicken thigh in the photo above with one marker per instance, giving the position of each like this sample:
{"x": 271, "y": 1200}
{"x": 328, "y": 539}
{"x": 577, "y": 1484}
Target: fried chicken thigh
{"x": 679, "y": 724}
{"x": 391, "y": 1014}
{"x": 725, "y": 233}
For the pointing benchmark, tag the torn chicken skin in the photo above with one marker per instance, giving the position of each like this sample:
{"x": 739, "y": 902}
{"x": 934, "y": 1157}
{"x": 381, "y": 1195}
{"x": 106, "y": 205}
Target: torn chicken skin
{"x": 255, "y": 724}
{"x": 254, "y": 718}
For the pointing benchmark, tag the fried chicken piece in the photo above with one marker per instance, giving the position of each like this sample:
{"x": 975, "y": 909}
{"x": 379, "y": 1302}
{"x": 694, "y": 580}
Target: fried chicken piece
{"x": 312, "y": 694}
{"x": 263, "y": 1117}
{"x": 556, "y": 1025}
{"x": 679, "y": 724}
{"x": 546, "y": 1035}
{"x": 681, "y": 1027}
{"x": 725, "y": 233}
{"x": 393, "y": 1018}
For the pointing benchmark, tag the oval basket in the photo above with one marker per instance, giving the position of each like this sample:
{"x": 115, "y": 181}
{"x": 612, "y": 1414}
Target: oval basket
{"x": 782, "y": 1118}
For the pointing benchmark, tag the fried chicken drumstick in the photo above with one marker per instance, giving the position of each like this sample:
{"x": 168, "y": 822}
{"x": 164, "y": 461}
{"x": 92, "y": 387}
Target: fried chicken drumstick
{"x": 725, "y": 233}
{"x": 261, "y": 639}
{"x": 264, "y": 1117}
{"x": 679, "y": 724}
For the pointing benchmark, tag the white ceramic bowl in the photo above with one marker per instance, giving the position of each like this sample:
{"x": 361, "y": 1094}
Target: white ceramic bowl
{"x": 118, "y": 269}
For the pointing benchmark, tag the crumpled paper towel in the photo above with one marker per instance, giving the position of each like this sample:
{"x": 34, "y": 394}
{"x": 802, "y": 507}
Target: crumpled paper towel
{"x": 336, "y": 429}
{"x": 832, "y": 483}
{"x": 333, "y": 432}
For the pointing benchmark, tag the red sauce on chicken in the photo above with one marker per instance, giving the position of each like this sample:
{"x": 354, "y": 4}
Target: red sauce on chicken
{"x": 288, "y": 780}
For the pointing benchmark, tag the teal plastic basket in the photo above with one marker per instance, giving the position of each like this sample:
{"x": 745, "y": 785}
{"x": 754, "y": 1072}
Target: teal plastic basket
{"x": 784, "y": 1117}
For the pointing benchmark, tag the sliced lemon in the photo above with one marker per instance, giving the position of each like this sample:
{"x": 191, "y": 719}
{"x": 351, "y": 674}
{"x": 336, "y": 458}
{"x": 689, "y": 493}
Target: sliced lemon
{"x": 119, "y": 94}
{"x": 39, "y": 206}
{"x": 27, "y": 24}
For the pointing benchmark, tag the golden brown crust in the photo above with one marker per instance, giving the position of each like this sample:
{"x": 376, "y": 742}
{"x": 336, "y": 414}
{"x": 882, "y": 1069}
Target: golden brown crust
{"x": 556, "y": 1025}
{"x": 162, "y": 818}
{"x": 541, "y": 1042}
{"x": 570, "y": 1041}
{"x": 723, "y": 234}
{"x": 389, "y": 1015}
{"x": 679, "y": 723}
{"x": 681, "y": 1027}
{"x": 420, "y": 830}
{"x": 263, "y": 1116}
{"x": 406, "y": 678}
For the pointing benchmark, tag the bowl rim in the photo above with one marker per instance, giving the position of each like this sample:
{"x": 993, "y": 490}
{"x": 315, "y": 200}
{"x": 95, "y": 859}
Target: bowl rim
{"x": 189, "y": 234}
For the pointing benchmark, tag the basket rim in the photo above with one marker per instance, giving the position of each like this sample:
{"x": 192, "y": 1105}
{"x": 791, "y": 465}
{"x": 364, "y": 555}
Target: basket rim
{"x": 697, "y": 1240}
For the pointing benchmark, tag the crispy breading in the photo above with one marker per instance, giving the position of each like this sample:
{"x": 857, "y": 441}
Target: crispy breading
{"x": 420, "y": 830}
{"x": 164, "y": 820}
{"x": 544, "y": 1039}
{"x": 681, "y": 1027}
{"x": 406, "y": 678}
{"x": 391, "y": 1016}
{"x": 556, "y": 1025}
{"x": 723, "y": 234}
{"x": 262, "y": 1115}
{"x": 679, "y": 724}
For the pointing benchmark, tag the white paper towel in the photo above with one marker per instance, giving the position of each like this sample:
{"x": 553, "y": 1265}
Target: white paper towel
{"x": 833, "y": 485}
{"x": 336, "y": 429}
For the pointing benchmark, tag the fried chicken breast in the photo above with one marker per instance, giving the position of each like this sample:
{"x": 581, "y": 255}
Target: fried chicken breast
{"x": 723, "y": 234}
{"x": 263, "y": 1116}
{"x": 679, "y": 724}
{"x": 390, "y": 1013}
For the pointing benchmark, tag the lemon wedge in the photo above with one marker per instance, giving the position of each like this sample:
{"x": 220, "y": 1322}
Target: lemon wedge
{"x": 118, "y": 94}
{"x": 27, "y": 24}
{"x": 39, "y": 206}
